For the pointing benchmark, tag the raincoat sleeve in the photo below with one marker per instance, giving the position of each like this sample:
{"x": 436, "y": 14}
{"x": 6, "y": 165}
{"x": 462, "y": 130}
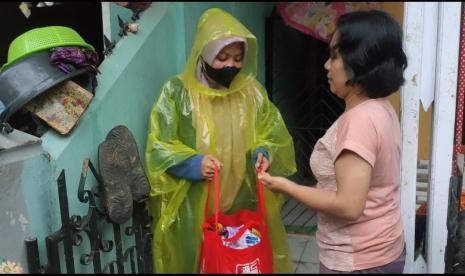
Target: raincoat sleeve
{"x": 177, "y": 222}
{"x": 190, "y": 169}
{"x": 273, "y": 136}
{"x": 164, "y": 146}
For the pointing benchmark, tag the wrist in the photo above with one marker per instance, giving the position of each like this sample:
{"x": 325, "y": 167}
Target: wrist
{"x": 288, "y": 187}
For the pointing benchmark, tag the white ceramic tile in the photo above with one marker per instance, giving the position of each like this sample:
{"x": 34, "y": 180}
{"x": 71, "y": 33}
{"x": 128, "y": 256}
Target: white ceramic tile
{"x": 299, "y": 237}
{"x": 307, "y": 268}
{"x": 297, "y": 244}
{"x": 311, "y": 251}
{"x": 294, "y": 265}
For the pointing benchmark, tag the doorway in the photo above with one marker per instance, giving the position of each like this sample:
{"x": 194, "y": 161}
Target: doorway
{"x": 297, "y": 84}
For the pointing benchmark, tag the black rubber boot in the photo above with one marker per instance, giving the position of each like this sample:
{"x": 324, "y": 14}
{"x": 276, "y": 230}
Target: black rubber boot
{"x": 117, "y": 196}
{"x": 136, "y": 178}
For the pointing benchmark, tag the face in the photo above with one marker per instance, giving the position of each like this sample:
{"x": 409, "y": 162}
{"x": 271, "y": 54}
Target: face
{"x": 230, "y": 56}
{"x": 337, "y": 75}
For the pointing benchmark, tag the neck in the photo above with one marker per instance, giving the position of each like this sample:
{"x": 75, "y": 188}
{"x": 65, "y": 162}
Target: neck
{"x": 354, "y": 98}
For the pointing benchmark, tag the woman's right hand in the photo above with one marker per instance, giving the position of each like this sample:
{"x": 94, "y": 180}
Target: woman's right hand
{"x": 275, "y": 183}
{"x": 209, "y": 162}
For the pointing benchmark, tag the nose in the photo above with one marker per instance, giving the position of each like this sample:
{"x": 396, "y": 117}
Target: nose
{"x": 228, "y": 63}
{"x": 326, "y": 66}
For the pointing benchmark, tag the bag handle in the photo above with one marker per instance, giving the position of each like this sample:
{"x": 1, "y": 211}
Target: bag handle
{"x": 261, "y": 197}
{"x": 216, "y": 182}
{"x": 261, "y": 202}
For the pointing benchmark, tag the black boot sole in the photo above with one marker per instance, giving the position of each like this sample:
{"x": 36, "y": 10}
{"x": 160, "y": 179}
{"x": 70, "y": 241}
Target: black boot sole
{"x": 117, "y": 196}
{"x": 137, "y": 180}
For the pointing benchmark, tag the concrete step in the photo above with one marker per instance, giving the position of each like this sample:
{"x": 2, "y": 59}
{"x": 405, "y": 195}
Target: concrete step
{"x": 423, "y": 164}
{"x": 422, "y": 182}
{"x": 421, "y": 171}
{"x": 422, "y": 186}
{"x": 422, "y": 177}
{"x": 421, "y": 199}
{"x": 422, "y": 193}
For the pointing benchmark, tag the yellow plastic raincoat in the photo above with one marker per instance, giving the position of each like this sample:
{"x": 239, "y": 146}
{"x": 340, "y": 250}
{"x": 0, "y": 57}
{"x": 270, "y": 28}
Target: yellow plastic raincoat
{"x": 190, "y": 118}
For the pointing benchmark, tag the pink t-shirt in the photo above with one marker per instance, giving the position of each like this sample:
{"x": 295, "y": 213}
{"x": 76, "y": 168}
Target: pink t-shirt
{"x": 371, "y": 129}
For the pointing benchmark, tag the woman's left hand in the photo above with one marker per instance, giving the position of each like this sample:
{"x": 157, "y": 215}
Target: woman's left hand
{"x": 262, "y": 162}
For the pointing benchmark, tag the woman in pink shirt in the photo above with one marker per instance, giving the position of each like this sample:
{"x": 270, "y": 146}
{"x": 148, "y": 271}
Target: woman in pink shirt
{"x": 357, "y": 161}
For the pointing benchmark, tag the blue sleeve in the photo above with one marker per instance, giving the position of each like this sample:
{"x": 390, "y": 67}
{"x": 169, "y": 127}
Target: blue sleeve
{"x": 190, "y": 169}
{"x": 260, "y": 150}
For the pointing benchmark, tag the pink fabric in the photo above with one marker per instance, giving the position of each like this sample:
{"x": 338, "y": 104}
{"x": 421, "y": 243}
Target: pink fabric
{"x": 318, "y": 19}
{"x": 370, "y": 129}
{"x": 460, "y": 98}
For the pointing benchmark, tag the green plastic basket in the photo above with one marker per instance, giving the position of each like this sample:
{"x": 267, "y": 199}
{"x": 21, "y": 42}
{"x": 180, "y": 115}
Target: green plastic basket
{"x": 40, "y": 39}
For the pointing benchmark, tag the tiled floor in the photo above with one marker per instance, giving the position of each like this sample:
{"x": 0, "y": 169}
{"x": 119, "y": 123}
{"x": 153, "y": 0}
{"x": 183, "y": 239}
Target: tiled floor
{"x": 304, "y": 253}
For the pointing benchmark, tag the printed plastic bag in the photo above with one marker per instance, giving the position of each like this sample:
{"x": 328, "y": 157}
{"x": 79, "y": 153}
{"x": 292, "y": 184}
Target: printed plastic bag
{"x": 246, "y": 249}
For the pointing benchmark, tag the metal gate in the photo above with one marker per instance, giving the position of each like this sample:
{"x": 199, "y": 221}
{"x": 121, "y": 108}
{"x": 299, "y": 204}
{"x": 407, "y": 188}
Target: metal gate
{"x": 297, "y": 84}
{"x": 76, "y": 229}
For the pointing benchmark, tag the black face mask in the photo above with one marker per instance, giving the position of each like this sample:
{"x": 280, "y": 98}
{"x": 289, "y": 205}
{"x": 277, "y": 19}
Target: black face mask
{"x": 223, "y": 76}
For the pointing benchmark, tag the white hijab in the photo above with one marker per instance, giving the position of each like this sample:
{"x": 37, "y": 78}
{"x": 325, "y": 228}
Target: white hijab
{"x": 209, "y": 53}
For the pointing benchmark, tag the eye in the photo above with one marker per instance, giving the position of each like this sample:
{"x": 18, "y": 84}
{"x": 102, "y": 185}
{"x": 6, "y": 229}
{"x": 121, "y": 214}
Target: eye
{"x": 222, "y": 57}
{"x": 239, "y": 58}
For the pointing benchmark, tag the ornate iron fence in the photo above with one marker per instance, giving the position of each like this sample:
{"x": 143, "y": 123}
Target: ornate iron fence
{"x": 74, "y": 229}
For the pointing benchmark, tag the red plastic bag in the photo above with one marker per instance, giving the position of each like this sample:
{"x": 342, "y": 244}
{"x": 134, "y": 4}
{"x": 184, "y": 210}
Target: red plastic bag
{"x": 217, "y": 257}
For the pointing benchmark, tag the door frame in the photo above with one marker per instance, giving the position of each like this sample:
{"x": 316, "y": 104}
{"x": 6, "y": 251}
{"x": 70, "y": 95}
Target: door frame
{"x": 421, "y": 44}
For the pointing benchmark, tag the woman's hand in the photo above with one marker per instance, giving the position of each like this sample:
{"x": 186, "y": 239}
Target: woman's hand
{"x": 209, "y": 162}
{"x": 262, "y": 162}
{"x": 275, "y": 183}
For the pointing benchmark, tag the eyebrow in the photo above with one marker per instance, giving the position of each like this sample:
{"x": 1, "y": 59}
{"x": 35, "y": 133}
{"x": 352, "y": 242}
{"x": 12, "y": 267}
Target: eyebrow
{"x": 230, "y": 54}
{"x": 333, "y": 50}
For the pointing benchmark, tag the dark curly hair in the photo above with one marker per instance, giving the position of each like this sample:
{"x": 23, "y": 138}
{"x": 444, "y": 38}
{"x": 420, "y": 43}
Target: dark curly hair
{"x": 370, "y": 44}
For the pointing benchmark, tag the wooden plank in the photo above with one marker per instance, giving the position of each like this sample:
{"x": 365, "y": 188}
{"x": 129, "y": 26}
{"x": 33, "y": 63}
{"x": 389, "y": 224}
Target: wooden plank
{"x": 413, "y": 40}
{"x": 428, "y": 65}
{"x": 443, "y": 133}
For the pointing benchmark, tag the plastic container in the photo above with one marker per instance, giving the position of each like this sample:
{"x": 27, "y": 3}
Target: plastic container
{"x": 40, "y": 39}
{"x": 27, "y": 79}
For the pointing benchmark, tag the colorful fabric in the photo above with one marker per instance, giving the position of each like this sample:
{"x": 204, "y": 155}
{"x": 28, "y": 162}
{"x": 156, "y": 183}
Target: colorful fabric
{"x": 371, "y": 129}
{"x": 10, "y": 267}
{"x": 64, "y": 57}
{"x": 191, "y": 118}
{"x": 61, "y": 106}
{"x": 460, "y": 98}
{"x": 318, "y": 19}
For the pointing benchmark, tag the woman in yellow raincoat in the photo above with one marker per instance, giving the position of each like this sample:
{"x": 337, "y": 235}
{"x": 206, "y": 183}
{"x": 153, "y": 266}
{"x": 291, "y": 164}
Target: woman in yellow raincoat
{"x": 210, "y": 116}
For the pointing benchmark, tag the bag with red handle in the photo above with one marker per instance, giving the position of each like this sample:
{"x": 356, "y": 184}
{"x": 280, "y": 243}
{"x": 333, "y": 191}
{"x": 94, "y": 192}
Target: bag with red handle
{"x": 236, "y": 243}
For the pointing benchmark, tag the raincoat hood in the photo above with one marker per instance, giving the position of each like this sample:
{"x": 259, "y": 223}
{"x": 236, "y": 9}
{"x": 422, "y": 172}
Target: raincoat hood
{"x": 217, "y": 24}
